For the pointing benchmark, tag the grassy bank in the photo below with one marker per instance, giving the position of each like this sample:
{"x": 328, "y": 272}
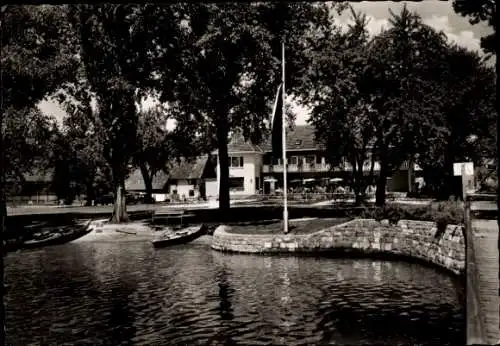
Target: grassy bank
{"x": 305, "y": 226}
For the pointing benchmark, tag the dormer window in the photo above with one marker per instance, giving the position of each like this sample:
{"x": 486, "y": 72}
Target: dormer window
{"x": 298, "y": 142}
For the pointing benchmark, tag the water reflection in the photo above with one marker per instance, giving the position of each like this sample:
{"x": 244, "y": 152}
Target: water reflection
{"x": 131, "y": 294}
{"x": 225, "y": 293}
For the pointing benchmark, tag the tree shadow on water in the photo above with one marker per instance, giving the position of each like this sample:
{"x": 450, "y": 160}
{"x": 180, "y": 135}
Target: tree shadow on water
{"x": 225, "y": 309}
{"x": 225, "y": 294}
{"x": 121, "y": 320}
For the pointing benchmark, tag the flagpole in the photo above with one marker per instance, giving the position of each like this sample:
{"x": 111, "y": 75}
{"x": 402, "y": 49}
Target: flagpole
{"x": 283, "y": 138}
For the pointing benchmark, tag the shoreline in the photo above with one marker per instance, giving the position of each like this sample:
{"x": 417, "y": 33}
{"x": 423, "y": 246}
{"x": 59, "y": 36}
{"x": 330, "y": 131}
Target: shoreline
{"x": 409, "y": 239}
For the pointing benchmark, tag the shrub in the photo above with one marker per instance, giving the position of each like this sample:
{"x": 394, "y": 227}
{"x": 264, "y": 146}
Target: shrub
{"x": 443, "y": 213}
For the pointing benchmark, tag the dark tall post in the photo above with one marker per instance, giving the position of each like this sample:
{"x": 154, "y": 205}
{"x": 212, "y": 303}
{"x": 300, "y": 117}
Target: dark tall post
{"x": 283, "y": 138}
{"x": 3, "y": 216}
{"x": 474, "y": 323}
{"x": 498, "y": 149}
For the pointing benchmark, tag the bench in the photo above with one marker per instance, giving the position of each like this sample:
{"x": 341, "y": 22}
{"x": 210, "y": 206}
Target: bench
{"x": 171, "y": 214}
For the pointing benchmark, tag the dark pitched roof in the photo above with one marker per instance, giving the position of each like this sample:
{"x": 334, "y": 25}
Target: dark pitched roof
{"x": 189, "y": 170}
{"x": 301, "y": 138}
{"x": 135, "y": 182}
{"x": 238, "y": 144}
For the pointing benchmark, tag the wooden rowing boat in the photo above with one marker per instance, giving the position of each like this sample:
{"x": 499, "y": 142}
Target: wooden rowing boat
{"x": 185, "y": 235}
{"x": 64, "y": 235}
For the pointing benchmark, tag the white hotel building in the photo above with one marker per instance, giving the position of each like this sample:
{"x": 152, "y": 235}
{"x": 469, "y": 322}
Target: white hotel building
{"x": 252, "y": 167}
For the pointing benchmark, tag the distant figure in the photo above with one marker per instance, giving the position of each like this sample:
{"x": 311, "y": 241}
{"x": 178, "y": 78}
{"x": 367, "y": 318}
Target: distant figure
{"x": 340, "y": 189}
{"x": 370, "y": 189}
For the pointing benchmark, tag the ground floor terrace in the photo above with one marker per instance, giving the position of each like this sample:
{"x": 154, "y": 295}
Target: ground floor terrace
{"x": 330, "y": 182}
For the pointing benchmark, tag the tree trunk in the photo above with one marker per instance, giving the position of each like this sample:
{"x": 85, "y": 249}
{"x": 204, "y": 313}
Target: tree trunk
{"x": 148, "y": 183}
{"x": 372, "y": 169}
{"x": 447, "y": 182}
{"x": 120, "y": 207}
{"x": 222, "y": 133}
{"x": 90, "y": 192}
{"x": 381, "y": 184}
{"x": 359, "y": 186}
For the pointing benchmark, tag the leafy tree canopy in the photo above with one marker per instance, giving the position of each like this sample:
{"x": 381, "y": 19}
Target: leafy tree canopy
{"x": 230, "y": 66}
{"x": 37, "y": 56}
{"x": 480, "y": 11}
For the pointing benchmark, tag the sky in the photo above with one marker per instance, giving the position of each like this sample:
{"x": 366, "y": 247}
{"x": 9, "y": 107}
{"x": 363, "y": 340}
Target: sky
{"x": 438, "y": 14}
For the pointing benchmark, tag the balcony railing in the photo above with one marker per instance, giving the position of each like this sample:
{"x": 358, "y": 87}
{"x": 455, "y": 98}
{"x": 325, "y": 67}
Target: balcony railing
{"x": 296, "y": 168}
{"x": 320, "y": 167}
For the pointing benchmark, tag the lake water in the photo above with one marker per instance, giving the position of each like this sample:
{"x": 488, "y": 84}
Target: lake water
{"x": 130, "y": 294}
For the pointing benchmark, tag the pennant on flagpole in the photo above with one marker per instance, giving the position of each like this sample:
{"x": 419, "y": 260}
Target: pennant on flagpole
{"x": 277, "y": 124}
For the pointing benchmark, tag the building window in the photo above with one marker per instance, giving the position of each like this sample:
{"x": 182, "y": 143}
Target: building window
{"x": 298, "y": 142}
{"x": 236, "y": 161}
{"x": 319, "y": 160}
{"x": 293, "y": 160}
{"x": 191, "y": 193}
{"x": 276, "y": 161}
{"x": 236, "y": 184}
{"x": 310, "y": 159}
{"x": 267, "y": 160}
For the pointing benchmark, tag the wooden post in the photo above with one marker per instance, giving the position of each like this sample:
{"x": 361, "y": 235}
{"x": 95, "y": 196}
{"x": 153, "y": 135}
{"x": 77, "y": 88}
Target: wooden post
{"x": 467, "y": 219}
{"x": 464, "y": 183}
{"x": 410, "y": 176}
{"x": 475, "y": 323}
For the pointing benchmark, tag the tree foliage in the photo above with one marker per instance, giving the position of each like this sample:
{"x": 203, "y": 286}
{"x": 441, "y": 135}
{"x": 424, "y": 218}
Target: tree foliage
{"x": 159, "y": 147}
{"x": 230, "y": 67}
{"x": 80, "y": 153}
{"x": 406, "y": 58}
{"x": 115, "y": 52}
{"x": 28, "y": 135}
{"x": 37, "y": 56}
{"x": 466, "y": 117}
{"x": 369, "y": 93}
{"x": 481, "y": 11}
{"x": 405, "y": 94}
{"x": 336, "y": 85}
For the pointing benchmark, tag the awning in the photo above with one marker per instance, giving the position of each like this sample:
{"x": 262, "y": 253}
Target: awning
{"x": 270, "y": 180}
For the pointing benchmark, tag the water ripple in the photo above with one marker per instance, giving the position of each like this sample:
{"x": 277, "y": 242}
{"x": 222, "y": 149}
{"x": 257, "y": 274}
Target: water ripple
{"x": 111, "y": 294}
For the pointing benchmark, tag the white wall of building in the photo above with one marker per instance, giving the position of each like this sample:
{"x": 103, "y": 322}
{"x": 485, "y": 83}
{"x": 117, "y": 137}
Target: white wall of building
{"x": 251, "y": 169}
{"x": 159, "y": 197}
{"x": 183, "y": 187}
{"x": 212, "y": 188}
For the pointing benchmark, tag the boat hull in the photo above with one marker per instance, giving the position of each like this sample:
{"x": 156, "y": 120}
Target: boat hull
{"x": 197, "y": 231}
{"x": 80, "y": 231}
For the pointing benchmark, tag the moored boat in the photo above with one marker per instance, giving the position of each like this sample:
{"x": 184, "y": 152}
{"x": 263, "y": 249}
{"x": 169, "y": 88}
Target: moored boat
{"x": 170, "y": 236}
{"x": 64, "y": 235}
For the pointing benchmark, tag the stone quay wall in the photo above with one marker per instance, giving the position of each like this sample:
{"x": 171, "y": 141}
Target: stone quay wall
{"x": 410, "y": 239}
